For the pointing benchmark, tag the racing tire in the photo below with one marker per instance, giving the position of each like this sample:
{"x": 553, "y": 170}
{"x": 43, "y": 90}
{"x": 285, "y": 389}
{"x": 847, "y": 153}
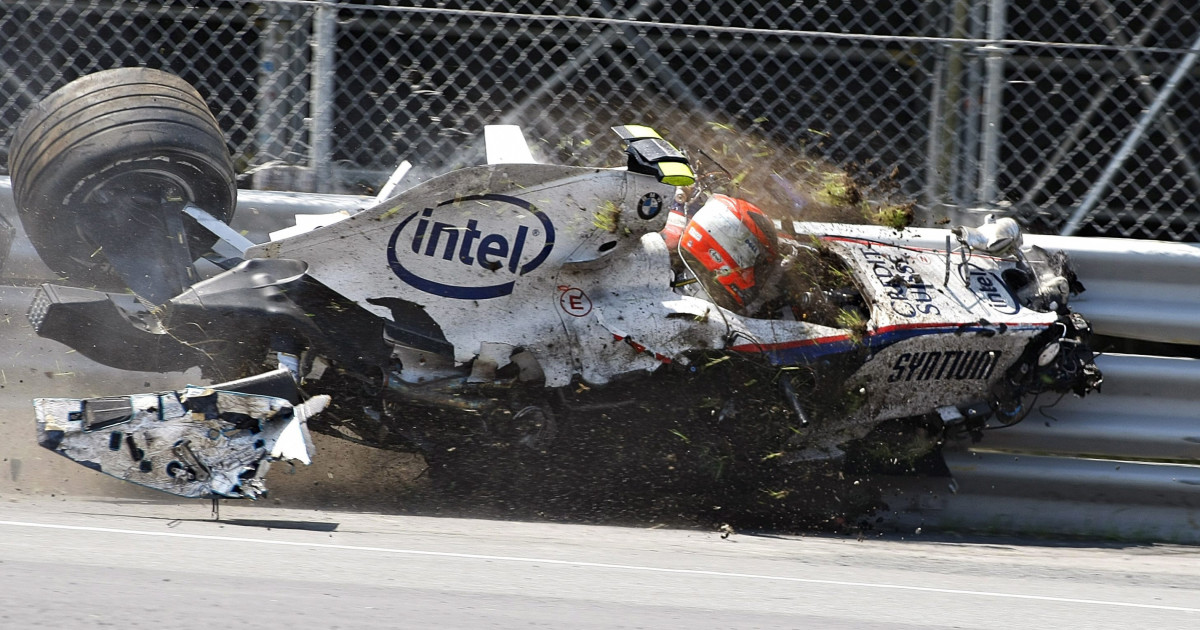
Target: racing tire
{"x": 101, "y": 139}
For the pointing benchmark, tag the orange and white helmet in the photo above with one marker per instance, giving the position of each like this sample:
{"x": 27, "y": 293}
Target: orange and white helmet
{"x": 729, "y": 238}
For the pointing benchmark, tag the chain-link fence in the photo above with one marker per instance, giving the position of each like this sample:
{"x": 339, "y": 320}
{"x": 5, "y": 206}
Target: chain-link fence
{"x": 1077, "y": 115}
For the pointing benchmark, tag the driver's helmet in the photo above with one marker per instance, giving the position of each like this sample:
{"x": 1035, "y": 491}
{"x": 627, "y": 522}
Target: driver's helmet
{"x": 727, "y": 243}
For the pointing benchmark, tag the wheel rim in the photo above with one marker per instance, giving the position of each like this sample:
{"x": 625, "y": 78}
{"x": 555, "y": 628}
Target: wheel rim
{"x": 142, "y": 193}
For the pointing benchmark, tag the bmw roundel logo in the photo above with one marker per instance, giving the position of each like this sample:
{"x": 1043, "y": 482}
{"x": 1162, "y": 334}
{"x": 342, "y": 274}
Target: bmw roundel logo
{"x": 650, "y": 206}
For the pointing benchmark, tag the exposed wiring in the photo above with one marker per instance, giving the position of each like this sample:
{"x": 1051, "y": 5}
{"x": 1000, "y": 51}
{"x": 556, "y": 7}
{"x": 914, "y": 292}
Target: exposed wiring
{"x": 1025, "y": 411}
{"x": 1042, "y": 410}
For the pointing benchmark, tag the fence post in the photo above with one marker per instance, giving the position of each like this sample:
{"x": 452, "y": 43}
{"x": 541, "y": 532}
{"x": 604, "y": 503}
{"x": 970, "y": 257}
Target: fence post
{"x": 970, "y": 123}
{"x": 993, "y": 96}
{"x": 947, "y": 116}
{"x": 321, "y": 121}
{"x": 279, "y": 127}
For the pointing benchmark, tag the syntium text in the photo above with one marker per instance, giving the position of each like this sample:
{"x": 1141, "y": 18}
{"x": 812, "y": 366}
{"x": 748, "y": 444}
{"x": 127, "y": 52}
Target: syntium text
{"x": 944, "y": 365}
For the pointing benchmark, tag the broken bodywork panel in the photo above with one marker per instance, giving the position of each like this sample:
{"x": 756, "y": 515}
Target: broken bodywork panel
{"x": 194, "y": 442}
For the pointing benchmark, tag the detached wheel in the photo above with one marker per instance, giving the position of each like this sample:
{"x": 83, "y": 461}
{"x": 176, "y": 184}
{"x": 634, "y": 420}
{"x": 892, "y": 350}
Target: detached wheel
{"x": 102, "y": 167}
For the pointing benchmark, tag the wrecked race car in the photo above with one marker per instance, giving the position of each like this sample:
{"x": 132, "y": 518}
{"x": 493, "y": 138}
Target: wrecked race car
{"x": 503, "y": 309}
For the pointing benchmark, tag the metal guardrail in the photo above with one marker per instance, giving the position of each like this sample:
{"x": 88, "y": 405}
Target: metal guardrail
{"x": 1143, "y": 290}
{"x": 1053, "y": 496}
{"x": 1121, "y": 464}
{"x": 1124, "y": 463}
{"x": 1149, "y": 410}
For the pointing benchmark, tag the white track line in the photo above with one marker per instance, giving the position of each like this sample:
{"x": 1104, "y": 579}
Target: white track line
{"x": 601, "y": 565}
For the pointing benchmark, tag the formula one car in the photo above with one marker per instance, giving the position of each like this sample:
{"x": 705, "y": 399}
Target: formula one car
{"x": 496, "y": 308}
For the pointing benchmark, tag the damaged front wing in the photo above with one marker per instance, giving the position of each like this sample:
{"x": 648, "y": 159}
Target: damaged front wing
{"x": 194, "y": 442}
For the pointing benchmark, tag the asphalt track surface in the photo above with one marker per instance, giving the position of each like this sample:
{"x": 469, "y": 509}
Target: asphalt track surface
{"x": 130, "y": 564}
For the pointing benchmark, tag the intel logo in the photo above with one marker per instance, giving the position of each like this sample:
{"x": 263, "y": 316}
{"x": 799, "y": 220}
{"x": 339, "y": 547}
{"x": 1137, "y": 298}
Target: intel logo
{"x": 994, "y": 292}
{"x": 459, "y": 251}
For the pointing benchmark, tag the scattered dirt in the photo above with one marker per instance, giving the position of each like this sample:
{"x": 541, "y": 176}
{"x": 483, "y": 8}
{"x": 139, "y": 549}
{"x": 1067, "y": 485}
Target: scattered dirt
{"x": 684, "y": 447}
{"x": 782, "y": 179}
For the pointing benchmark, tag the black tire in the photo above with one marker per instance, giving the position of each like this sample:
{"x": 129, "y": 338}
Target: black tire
{"x": 103, "y": 139}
